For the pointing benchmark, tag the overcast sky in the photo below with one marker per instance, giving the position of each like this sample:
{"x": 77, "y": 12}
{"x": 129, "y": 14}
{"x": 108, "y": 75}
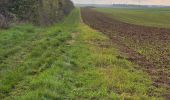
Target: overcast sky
{"x": 148, "y": 2}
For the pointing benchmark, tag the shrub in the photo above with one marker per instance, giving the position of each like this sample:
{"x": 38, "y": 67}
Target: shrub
{"x": 39, "y": 12}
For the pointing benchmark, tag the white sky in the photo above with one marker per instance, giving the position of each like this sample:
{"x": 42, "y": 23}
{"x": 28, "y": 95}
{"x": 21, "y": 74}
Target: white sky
{"x": 147, "y": 2}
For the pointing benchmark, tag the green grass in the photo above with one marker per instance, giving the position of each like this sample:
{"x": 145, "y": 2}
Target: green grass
{"x": 67, "y": 61}
{"x": 157, "y": 17}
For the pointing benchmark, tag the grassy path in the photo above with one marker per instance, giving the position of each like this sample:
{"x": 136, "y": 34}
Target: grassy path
{"x": 68, "y": 61}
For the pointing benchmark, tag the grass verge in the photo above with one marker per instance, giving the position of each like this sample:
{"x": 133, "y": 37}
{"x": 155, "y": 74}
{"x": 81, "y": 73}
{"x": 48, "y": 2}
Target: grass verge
{"x": 68, "y": 61}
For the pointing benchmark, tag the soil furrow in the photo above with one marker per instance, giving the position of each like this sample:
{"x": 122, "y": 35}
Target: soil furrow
{"x": 129, "y": 38}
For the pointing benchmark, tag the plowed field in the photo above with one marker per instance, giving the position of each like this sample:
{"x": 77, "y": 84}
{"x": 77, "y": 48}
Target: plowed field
{"x": 147, "y": 47}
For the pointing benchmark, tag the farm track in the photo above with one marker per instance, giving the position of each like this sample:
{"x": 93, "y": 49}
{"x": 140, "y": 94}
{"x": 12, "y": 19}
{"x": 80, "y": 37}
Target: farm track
{"x": 127, "y": 37}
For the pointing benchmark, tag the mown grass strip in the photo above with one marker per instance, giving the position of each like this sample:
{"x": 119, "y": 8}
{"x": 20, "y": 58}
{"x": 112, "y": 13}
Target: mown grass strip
{"x": 73, "y": 61}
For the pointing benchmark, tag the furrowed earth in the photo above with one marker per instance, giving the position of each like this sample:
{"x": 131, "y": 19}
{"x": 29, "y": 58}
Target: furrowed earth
{"x": 148, "y": 47}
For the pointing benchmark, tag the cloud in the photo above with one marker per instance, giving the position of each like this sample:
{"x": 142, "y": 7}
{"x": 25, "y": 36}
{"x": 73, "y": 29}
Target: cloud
{"x": 148, "y": 2}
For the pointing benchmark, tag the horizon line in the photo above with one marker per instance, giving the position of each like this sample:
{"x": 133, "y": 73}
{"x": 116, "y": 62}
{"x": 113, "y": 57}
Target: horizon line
{"x": 121, "y": 4}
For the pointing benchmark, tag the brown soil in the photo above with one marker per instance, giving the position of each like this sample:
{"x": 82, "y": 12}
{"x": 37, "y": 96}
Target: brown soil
{"x": 128, "y": 37}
